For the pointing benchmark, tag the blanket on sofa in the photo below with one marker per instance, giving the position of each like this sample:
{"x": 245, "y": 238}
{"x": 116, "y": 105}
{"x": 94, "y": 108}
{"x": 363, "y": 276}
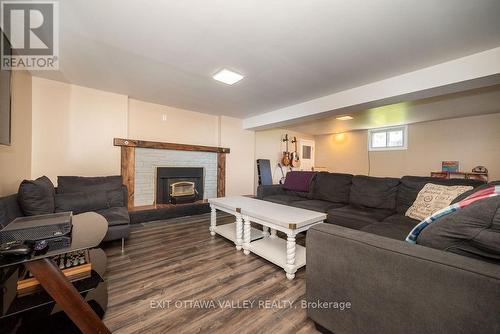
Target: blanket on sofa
{"x": 478, "y": 195}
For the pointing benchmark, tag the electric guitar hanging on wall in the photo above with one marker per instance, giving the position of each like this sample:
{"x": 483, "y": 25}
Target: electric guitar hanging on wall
{"x": 285, "y": 158}
{"x": 295, "y": 160}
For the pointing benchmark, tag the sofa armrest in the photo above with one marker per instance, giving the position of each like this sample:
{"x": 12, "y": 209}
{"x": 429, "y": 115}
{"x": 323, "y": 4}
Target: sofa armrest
{"x": 275, "y": 189}
{"x": 396, "y": 287}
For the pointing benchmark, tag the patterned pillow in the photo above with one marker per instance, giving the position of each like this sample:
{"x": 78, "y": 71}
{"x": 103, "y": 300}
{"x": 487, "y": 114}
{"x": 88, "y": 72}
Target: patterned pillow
{"x": 432, "y": 198}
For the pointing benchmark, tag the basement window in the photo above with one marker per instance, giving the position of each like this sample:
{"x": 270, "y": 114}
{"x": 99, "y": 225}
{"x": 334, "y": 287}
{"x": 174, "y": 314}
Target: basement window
{"x": 385, "y": 139}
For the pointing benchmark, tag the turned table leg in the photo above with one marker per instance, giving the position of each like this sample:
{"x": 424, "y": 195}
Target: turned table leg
{"x": 239, "y": 232}
{"x": 213, "y": 220}
{"x": 246, "y": 235}
{"x": 290, "y": 257}
{"x": 265, "y": 231}
{"x": 273, "y": 233}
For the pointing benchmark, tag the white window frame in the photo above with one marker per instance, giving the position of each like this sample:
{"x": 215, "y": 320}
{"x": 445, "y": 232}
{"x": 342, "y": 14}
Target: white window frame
{"x": 388, "y": 129}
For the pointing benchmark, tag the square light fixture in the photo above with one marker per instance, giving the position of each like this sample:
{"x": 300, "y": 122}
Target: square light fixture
{"x": 345, "y": 118}
{"x": 228, "y": 77}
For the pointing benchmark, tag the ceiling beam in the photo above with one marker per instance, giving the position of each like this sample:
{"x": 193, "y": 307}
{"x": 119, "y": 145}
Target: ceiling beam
{"x": 474, "y": 71}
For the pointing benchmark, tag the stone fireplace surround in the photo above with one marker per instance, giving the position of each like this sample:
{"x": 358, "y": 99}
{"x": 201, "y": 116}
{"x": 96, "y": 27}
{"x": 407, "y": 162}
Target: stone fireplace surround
{"x": 131, "y": 148}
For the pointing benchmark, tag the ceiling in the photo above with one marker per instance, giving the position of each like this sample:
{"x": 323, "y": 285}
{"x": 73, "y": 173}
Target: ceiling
{"x": 290, "y": 51}
{"x": 470, "y": 103}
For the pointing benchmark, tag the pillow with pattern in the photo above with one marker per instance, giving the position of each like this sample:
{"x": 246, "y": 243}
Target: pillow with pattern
{"x": 432, "y": 198}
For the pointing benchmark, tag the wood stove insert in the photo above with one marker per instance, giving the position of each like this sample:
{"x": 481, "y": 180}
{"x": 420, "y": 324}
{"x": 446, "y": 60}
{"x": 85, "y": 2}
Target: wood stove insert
{"x": 175, "y": 185}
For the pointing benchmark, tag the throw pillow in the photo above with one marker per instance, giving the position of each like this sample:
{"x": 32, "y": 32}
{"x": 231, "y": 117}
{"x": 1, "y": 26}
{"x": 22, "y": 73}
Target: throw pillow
{"x": 37, "y": 197}
{"x": 298, "y": 181}
{"x": 432, "y": 198}
{"x": 81, "y": 202}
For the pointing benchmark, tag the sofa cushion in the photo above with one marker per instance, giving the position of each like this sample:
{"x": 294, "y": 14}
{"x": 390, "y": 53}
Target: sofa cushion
{"x": 115, "y": 216}
{"x": 79, "y": 202}
{"x": 332, "y": 187}
{"x": 114, "y": 198}
{"x": 471, "y": 231}
{"x": 395, "y": 227}
{"x": 432, "y": 198}
{"x": 411, "y": 185}
{"x": 374, "y": 192}
{"x": 316, "y": 205}
{"x": 283, "y": 199}
{"x": 36, "y": 197}
{"x": 298, "y": 181}
{"x": 69, "y": 184}
{"x": 357, "y": 217}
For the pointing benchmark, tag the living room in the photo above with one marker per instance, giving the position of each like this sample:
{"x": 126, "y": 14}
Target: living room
{"x": 196, "y": 156}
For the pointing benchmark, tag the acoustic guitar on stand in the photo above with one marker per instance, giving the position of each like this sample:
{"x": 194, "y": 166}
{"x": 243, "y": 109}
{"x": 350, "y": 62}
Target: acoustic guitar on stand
{"x": 285, "y": 158}
{"x": 295, "y": 160}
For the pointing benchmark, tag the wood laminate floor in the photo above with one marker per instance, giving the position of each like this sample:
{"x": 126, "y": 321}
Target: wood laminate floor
{"x": 175, "y": 278}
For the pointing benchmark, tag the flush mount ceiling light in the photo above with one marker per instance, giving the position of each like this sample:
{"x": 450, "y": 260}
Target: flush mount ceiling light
{"x": 345, "y": 118}
{"x": 228, "y": 77}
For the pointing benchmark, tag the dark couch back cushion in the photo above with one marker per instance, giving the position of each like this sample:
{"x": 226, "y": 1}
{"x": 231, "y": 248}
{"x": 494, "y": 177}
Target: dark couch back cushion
{"x": 374, "y": 192}
{"x": 411, "y": 185}
{"x": 36, "y": 197}
{"x": 472, "y": 231}
{"x": 71, "y": 184}
{"x": 332, "y": 187}
{"x": 79, "y": 202}
{"x": 9, "y": 209}
{"x": 298, "y": 181}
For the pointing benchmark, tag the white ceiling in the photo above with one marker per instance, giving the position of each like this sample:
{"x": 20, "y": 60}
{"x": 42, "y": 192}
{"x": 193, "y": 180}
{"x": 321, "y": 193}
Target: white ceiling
{"x": 290, "y": 51}
{"x": 469, "y": 103}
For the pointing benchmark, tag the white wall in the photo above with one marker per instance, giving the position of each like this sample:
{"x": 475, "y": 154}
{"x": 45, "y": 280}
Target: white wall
{"x": 15, "y": 159}
{"x": 472, "y": 141}
{"x": 74, "y": 127}
{"x": 73, "y": 130}
{"x": 269, "y": 145}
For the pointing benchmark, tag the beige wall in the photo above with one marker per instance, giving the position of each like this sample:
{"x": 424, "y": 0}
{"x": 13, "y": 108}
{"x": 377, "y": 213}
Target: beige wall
{"x": 149, "y": 121}
{"x": 74, "y": 127}
{"x": 15, "y": 160}
{"x": 268, "y": 145}
{"x": 240, "y": 163}
{"x": 471, "y": 140}
{"x": 73, "y": 130}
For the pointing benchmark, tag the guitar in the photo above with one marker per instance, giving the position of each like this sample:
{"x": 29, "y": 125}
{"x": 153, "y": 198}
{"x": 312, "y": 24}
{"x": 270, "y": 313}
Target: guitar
{"x": 282, "y": 180}
{"x": 295, "y": 155}
{"x": 285, "y": 158}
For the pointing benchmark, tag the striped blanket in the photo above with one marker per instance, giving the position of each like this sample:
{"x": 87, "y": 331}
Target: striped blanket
{"x": 478, "y": 195}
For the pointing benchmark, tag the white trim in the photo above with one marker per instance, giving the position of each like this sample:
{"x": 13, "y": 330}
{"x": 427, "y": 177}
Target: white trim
{"x": 388, "y": 129}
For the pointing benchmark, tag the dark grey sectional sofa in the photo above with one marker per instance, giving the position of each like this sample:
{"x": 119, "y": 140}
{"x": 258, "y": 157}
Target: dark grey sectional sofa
{"x": 104, "y": 195}
{"x": 359, "y": 256}
{"x": 371, "y": 204}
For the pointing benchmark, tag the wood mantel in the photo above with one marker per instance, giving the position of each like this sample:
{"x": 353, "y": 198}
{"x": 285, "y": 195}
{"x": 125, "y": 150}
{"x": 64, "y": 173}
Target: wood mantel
{"x": 168, "y": 146}
{"x": 128, "y": 161}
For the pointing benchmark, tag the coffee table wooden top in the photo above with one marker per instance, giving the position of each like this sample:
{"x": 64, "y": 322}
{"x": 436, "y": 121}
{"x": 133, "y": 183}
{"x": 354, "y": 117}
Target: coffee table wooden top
{"x": 281, "y": 215}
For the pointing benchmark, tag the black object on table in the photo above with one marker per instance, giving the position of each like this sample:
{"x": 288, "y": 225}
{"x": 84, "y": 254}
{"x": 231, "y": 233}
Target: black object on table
{"x": 83, "y": 301}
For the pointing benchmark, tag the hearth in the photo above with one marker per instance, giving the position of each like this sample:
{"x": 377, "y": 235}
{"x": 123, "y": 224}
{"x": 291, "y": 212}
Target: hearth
{"x": 179, "y": 185}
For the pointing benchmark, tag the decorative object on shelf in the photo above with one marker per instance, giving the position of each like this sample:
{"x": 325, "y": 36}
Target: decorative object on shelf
{"x": 450, "y": 166}
{"x": 295, "y": 160}
{"x": 285, "y": 158}
{"x": 461, "y": 175}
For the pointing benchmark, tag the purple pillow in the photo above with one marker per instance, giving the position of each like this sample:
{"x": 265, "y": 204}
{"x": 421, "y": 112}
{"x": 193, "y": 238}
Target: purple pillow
{"x": 298, "y": 181}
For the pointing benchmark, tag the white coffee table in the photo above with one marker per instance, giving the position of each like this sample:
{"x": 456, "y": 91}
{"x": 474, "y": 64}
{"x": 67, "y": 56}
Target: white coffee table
{"x": 233, "y": 231}
{"x": 289, "y": 220}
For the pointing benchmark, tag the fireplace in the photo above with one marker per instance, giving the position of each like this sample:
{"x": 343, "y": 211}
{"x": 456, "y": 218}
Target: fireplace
{"x": 177, "y": 185}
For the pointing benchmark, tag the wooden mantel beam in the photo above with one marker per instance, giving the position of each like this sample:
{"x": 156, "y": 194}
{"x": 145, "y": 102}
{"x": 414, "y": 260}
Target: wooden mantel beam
{"x": 168, "y": 146}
